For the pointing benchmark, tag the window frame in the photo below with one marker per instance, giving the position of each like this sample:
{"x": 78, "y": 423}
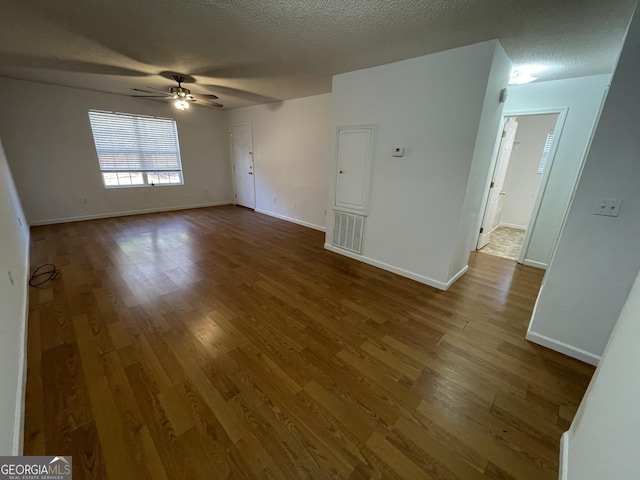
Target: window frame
{"x": 144, "y": 173}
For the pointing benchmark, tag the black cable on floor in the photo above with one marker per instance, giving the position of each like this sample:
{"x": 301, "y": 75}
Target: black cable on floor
{"x": 39, "y": 278}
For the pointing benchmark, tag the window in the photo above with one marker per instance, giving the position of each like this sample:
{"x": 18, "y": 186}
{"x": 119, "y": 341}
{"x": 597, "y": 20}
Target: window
{"x": 545, "y": 152}
{"x": 135, "y": 150}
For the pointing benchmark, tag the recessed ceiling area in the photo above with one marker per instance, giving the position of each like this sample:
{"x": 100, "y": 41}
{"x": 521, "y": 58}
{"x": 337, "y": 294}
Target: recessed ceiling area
{"x": 249, "y": 52}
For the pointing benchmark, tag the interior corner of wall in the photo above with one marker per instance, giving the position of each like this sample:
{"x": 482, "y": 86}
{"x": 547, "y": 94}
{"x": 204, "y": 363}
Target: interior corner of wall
{"x": 499, "y": 50}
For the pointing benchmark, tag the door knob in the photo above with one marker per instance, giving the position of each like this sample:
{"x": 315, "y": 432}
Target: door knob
{"x": 503, "y": 193}
{"x": 341, "y": 171}
{"x": 250, "y": 173}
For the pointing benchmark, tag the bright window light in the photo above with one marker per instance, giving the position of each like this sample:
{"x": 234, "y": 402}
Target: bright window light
{"x": 135, "y": 151}
{"x": 545, "y": 152}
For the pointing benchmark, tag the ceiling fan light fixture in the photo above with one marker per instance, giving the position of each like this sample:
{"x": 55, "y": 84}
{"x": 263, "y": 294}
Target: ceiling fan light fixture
{"x": 181, "y": 97}
{"x": 181, "y": 104}
{"x": 524, "y": 73}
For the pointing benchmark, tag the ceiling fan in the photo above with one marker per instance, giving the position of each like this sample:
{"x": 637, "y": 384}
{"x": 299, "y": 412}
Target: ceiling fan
{"x": 181, "y": 96}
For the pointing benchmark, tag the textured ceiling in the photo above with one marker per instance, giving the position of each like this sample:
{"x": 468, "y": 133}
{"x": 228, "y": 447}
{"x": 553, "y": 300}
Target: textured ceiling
{"x": 257, "y": 51}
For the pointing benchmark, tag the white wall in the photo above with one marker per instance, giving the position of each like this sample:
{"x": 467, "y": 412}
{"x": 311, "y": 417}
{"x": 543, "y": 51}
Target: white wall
{"x": 49, "y": 144}
{"x": 603, "y": 441}
{"x": 583, "y": 97}
{"x": 14, "y": 258}
{"x": 522, "y": 179}
{"x": 292, "y": 153}
{"x": 432, "y": 106}
{"x": 598, "y": 257}
{"x": 483, "y": 161}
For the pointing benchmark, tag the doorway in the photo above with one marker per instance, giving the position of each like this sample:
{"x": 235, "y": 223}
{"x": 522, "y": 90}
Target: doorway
{"x": 521, "y": 168}
{"x": 242, "y": 164}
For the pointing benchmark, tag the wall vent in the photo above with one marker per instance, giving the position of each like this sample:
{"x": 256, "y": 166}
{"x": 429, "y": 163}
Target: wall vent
{"x": 348, "y": 229}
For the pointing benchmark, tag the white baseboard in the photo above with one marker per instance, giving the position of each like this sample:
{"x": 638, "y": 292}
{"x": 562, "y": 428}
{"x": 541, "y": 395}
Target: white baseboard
{"x": 399, "y": 271}
{"x": 291, "y": 219}
{"x": 564, "y": 457}
{"x": 562, "y": 347}
{"x": 453, "y": 279}
{"x": 125, "y": 213}
{"x": 533, "y": 263}
{"x": 18, "y": 427}
{"x": 513, "y": 225}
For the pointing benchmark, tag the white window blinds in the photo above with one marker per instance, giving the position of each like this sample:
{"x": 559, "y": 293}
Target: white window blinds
{"x": 545, "y": 152}
{"x": 136, "y": 147}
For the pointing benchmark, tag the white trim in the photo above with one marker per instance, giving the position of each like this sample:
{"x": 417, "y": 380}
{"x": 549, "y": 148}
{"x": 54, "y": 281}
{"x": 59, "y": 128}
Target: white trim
{"x": 562, "y": 347}
{"x": 564, "y": 456}
{"x": 21, "y": 393}
{"x": 542, "y": 187}
{"x": 232, "y": 165}
{"x": 487, "y": 187}
{"x": 80, "y": 218}
{"x": 453, "y": 279}
{"x": 533, "y": 263}
{"x": 484, "y": 236}
{"x": 291, "y": 219}
{"x": 513, "y": 225}
{"x": 534, "y": 111}
{"x": 399, "y": 271}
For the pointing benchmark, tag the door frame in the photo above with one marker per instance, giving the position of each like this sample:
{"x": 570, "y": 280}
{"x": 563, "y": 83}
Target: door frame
{"x": 496, "y": 156}
{"x": 560, "y": 122}
{"x": 233, "y": 167}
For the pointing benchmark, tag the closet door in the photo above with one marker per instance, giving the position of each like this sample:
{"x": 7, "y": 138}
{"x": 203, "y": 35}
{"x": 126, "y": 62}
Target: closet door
{"x": 353, "y": 167}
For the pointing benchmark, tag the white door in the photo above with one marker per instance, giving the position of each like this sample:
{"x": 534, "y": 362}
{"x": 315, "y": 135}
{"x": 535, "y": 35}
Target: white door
{"x": 353, "y": 164}
{"x": 243, "y": 171}
{"x": 493, "y": 209}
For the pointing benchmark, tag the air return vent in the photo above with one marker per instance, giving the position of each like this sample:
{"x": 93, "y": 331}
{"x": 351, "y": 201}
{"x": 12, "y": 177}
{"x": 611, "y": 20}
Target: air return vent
{"x": 347, "y": 231}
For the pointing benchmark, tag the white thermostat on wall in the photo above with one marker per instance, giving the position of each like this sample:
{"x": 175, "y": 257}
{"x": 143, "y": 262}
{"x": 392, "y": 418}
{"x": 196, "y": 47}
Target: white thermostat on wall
{"x": 398, "y": 152}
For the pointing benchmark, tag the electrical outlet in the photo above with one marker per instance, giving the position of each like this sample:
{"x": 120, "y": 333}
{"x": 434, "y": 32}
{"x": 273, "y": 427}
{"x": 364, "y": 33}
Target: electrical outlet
{"x": 609, "y": 207}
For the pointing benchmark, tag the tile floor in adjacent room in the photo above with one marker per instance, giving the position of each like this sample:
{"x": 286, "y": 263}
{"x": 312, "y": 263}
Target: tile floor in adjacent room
{"x": 505, "y": 242}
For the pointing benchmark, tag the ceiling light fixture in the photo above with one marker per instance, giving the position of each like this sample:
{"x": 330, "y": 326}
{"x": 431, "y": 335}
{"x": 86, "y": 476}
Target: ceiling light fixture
{"x": 181, "y": 104}
{"x": 524, "y": 74}
{"x": 181, "y": 97}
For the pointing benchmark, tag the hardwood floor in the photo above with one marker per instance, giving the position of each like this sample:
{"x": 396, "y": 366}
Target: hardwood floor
{"x": 221, "y": 343}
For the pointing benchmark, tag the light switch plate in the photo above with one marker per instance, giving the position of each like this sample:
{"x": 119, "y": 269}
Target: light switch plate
{"x": 609, "y": 207}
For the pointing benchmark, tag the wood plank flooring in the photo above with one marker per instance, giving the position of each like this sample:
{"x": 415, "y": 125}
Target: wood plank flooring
{"x": 221, "y": 343}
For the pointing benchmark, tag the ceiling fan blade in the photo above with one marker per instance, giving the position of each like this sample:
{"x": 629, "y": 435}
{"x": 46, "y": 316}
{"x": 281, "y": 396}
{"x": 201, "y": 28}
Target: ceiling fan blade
{"x": 241, "y": 94}
{"x": 154, "y": 89}
{"x": 210, "y": 96}
{"x": 149, "y": 96}
{"x": 210, "y": 104}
